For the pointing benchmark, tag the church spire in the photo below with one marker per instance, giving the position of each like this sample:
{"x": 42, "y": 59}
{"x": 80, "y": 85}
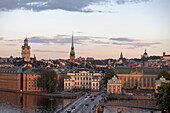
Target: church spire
{"x": 121, "y": 55}
{"x": 72, "y": 53}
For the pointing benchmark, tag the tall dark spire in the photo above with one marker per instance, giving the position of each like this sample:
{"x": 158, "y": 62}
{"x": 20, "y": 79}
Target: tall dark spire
{"x": 72, "y": 53}
{"x": 72, "y": 46}
{"x": 121, "y": 55}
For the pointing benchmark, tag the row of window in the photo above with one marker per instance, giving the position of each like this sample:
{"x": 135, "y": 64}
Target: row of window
{"x": 77, "y": 78}
{"x": 136, "y": 79}
{"x": 83, "y": 83}
{"x": 83, "y": 74}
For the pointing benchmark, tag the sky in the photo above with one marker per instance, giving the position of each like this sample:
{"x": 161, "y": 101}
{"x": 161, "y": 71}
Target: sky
{"x": 101, "y": 28}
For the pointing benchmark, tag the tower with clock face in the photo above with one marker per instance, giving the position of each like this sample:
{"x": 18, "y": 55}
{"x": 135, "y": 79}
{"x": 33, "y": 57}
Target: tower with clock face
{"x": 26, "y": 51}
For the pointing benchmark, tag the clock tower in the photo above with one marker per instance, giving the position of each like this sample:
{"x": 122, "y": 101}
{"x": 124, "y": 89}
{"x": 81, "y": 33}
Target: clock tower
{"x": 26, "y": 51}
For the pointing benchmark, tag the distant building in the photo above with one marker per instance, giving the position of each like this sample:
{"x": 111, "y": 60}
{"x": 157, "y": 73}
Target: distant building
{"x": 166, "y": 57}
{"x": 159, "y": 82}
{"x": 72, "y": 52}
{"x": 83, "y": 79}
{"x": 114, "y": 85}
{"x": 90, "y": 59}
{"x": 26, "y": 51}
{"x": 145, "y": 55}
{"x": 141, "y": 77}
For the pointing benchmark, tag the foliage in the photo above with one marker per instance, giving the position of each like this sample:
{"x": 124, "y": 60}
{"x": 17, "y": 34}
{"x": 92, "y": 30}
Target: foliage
{"x": 163, "y": 97}
{"x": 138, "y": 91}
{"x": 109, "y": 74}
{"x": 165, "y": 74}
{"x": 47, "y": 80}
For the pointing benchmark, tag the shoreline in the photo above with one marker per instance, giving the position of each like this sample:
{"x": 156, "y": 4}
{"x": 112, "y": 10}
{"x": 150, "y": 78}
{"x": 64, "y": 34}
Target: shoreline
{"x": 129, "y": 97}
{"x": 62, "y": 95}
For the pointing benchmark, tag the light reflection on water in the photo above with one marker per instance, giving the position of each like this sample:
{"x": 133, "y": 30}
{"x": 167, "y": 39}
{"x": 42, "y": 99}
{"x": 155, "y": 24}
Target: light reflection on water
{"x": 147, "y": 103}
{"x": 22, "y": 103}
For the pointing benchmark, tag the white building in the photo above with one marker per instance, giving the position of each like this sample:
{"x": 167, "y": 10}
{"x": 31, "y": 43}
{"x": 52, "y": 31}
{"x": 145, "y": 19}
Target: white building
{"x": 83, "y": 79}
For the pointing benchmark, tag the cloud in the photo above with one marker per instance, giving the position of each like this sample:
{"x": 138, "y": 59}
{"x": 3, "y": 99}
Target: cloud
{"x": 134, "y": 45}
{"x": 66, "y": 39}
{"x": 63, "y": 39}
{"x": 11, "y": 44}
{"x": 1, "y": 38}
{"x": 39, "y": 51}
{"x": 123, "y": 39}
{"x": 67, "y": 5}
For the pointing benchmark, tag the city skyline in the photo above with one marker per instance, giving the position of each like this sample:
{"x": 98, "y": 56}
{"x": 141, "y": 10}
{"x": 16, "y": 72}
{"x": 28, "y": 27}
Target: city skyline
{"x": 99, "y": 31}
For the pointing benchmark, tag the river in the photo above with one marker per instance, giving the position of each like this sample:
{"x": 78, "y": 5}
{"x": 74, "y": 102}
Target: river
{"x": 24, "y": 103}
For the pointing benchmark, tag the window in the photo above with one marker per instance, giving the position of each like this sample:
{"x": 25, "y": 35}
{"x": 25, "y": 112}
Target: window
{"x": 69, "y": 84}
{"x": 34, "y": 82}
{"x": 89, "y": 78}
{"x": 66, "y": 84}
{"x": 93, "y": 84}
{"x": 96, "y": 84}
{"x": 75, "y": 78}
{"x": 78, "y": 82}
{"x": 78, "y": 78}
{"x": 86, "y": 78}
{"x": 29, "y": 78}
{"x": 75, "y": 82}
{"x": 124, "y": 79}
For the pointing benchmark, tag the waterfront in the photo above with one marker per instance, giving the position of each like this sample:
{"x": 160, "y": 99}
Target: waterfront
{"x": 146, "y": 103}
{"x": 18, "y": 103}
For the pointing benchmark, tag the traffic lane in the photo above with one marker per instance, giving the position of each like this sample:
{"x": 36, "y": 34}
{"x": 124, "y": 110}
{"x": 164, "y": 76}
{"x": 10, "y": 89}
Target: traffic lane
{"x": 77, "y": 101}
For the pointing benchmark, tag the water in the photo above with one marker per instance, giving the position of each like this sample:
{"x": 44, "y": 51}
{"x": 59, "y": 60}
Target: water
{"x": 147, "y": 103}
{"x": 22, "y": 103}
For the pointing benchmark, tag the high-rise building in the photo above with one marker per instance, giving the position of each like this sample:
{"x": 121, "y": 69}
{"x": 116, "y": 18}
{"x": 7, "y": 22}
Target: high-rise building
{"x": 72, "y": 53}
{"x": 26, "y": 51}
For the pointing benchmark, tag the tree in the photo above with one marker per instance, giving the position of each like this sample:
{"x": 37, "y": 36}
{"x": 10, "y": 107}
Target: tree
{"x": 109, "y": 74}
{"x": 47, "y": 80}
{"x": 163, "y": 97}
{"x": 165, "y": 74}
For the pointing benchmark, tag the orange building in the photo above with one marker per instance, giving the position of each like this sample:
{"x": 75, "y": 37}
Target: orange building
{"x": 30, "y": 77}
{"x": 19, "y": 79}
{"x": 114, "y": 85}
{"x": 10, "y": 78}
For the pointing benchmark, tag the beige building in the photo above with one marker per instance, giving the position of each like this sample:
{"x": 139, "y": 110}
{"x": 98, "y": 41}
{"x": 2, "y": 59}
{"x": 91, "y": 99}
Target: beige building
{"x": 159, "y": 82}
{"x": 83, "y": 79}
{"x": 141, "y": 77}
{"x": 114, "y": 85}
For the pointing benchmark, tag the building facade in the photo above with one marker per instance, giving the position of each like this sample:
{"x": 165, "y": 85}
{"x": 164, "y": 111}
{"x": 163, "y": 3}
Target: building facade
{"x": 83, "y": 79}
{"x": 114, "y": 85}
{"x": 159, "y": 82}
{"x": 26, "y": 51}
{"x": 141, "y": 77}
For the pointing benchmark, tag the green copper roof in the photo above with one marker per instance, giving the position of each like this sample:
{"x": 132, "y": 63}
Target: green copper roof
{"x": 144, "y": 70}
{"x": 67, "y": 77}
{"x": 114, "y": 80}
{"x": 11, "y": 70}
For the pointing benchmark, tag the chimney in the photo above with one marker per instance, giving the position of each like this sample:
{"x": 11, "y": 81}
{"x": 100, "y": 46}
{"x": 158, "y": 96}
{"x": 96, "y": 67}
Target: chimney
{"x": 164, "y": 53}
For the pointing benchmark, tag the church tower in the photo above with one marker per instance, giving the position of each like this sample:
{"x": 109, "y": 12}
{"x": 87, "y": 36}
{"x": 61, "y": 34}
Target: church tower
{"x": 72, "y": 53}
{"x": 121, "y": 55}
{"x": 26, "y": 51}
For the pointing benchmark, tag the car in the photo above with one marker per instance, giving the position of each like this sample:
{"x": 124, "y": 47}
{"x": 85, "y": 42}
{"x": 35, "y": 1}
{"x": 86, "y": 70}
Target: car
{"x": 69, "y": 111}
{"x": 73, "y": 107}
{"x": 94, "y": 95}
{"x": 92, "y": 99}
{"x": 86, "y": 104}
{"x": 98, "y": 93}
